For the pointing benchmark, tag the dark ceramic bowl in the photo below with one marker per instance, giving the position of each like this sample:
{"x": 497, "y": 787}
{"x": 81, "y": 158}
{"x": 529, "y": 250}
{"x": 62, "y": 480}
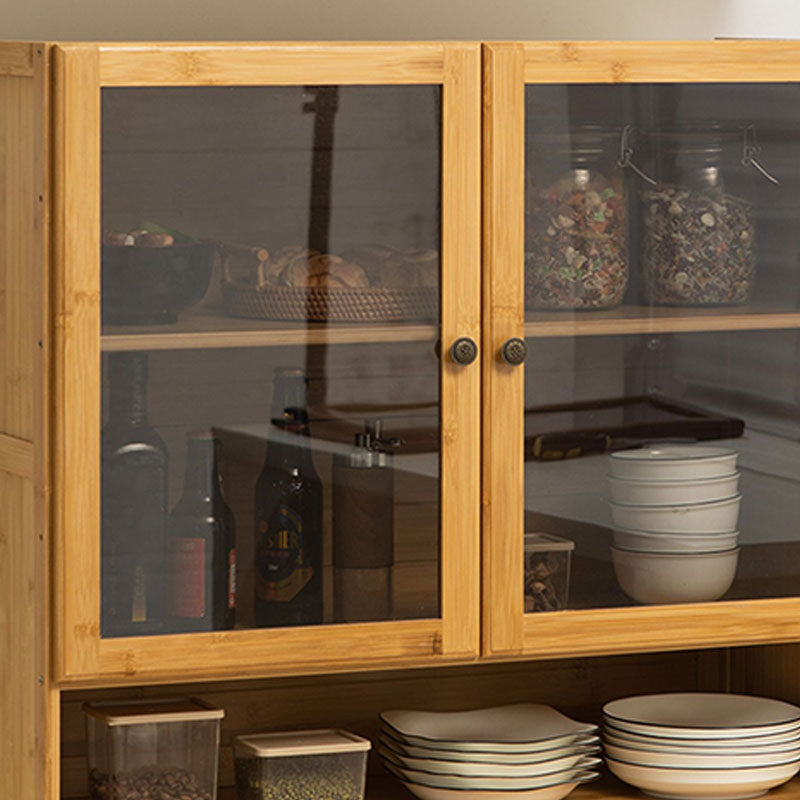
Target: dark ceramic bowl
{"x": 152, "y": 285}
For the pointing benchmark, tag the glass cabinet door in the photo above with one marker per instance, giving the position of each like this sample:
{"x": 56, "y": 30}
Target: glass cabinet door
{"x": 276, "y": 269}
{"x": 655, "y": 369}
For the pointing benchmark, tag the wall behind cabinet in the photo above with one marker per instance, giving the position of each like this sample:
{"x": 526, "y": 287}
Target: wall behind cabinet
{"x": 209, "y": 20}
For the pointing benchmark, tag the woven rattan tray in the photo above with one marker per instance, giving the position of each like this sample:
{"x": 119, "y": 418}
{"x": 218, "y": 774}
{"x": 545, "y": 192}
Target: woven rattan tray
{"x": 378, "y": 304}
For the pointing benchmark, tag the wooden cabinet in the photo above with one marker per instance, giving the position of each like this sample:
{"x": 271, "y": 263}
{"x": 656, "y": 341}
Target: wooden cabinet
{"x": 226, "y": 143}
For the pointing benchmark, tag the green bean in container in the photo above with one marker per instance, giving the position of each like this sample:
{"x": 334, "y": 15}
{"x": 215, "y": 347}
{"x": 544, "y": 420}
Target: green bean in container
{"x": 301, "y": 765}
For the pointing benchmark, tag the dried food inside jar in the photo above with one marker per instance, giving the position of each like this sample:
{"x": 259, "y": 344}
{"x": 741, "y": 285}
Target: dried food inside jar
{"x": 147, "y": 783}
{"x": 698, "y": 246}
{"x": 547, "y": 568}
{"x": 327, "y": 777}
{"x": 576, "y": 243}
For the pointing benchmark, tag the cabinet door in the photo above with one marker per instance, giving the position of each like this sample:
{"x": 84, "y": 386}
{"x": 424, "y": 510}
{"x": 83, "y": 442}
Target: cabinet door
{"x": 641, "y": 206}
{"x": 264, "y": 256}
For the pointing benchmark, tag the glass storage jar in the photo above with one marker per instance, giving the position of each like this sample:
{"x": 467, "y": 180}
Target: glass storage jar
{"x": 696, "y": 226}
{"x": 576, "y": 250}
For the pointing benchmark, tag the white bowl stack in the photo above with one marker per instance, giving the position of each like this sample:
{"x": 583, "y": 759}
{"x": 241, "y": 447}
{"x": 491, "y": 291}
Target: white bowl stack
{"x": 702, "y": 746}
{"x": 675, "y": 510}
{"x": 516, "y": 752}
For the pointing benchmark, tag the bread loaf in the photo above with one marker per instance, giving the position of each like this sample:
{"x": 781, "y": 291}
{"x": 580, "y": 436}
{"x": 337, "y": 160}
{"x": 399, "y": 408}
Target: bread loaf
{"x": 427, "y": 264}
{"x": 357, "y": 268}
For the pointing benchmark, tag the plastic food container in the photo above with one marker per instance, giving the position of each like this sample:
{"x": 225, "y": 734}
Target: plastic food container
{"x": 319, "y": 764}
{"x": 548, "y": 560}
{"x": 157, "y": 750}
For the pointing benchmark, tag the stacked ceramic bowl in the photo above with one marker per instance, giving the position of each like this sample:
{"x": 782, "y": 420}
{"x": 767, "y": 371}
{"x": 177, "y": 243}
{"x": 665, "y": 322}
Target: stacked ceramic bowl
{"x": 675, "y": 510}
{"x": 520, "y": 752}
{"x": 702, "y": 746}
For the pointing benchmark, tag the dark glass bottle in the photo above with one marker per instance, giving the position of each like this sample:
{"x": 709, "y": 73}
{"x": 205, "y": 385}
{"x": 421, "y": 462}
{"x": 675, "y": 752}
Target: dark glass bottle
{"x": 288, "y": 515}
{"x": 134, "y": 506}
{"x": 202, "y": 580}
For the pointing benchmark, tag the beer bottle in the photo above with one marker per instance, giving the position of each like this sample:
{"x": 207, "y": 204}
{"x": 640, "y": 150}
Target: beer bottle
{"x": 134, "y": 506}
{"x": 288, "y": 514}
{"x": 202, "y": 580}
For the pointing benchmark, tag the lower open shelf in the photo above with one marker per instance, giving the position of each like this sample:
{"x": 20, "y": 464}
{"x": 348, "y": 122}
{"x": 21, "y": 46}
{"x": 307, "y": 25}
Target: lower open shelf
{"x": 605, "y": 788}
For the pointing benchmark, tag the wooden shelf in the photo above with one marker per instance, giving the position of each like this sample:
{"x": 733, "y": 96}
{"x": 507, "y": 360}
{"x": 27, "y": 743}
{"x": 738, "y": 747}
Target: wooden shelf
{"x": 606, "y": 788}
{"x": 198, "y": 331}
{"x": 652, "y": 319}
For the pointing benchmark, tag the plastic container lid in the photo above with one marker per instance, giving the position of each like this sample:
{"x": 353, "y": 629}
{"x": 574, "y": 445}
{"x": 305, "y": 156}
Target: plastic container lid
{"x": 143, "y": 712}
{"x": 546, "y": 542}
{"x": 299, "y": 743}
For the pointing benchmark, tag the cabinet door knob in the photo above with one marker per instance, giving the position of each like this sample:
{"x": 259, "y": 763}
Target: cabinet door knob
{"x": 464, "y": 351}
{"x": 513, "y": 351}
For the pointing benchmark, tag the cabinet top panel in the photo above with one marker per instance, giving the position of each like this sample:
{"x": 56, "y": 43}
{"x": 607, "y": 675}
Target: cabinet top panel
{"x": 660, "y": 62}
{"x": 271, "y": 63}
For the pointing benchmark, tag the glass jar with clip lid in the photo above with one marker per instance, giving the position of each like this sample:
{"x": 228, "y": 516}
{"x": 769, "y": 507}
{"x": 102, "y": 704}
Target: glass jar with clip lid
{"x": 576, "y": 250}
{"x": 697, "y": 232}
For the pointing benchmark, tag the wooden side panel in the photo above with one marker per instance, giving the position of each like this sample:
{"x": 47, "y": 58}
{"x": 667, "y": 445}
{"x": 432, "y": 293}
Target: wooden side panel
{"x": 662, "y": 62}
{"x": 76, "y": 357}
{"x": 28, "y": 705}
{"x": 17, "y": 456}
{"x": 279, "y": 64}
{"x": 20, "y": 224}
{"x": 22, "y": 720}
{"x": 18, "y": 58}
{"x": 461, "y": 316}
{"x": 503, "y": 479}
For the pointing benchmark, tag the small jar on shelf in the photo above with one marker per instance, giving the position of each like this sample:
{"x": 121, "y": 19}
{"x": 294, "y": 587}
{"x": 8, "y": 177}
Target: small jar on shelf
{"x": 576, "y": 248}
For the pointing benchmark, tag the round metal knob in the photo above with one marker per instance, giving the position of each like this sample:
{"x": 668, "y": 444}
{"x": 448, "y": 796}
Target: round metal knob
{"x": 464, "y": 351}
{"x": 514, "y": 351}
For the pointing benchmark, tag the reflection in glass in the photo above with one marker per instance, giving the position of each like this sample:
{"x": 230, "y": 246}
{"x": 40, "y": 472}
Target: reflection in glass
{"x": 270, "y": 271}
{"x": 696, "y": 350}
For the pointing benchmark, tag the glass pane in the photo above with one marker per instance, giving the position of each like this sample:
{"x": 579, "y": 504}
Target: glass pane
{"x": 270, "y": 271}
{"x": 662, "y": 403}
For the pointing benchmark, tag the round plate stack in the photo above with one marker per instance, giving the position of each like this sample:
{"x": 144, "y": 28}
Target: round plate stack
{"x": 675, "y": 510}
{"x": 527, "y": 752}
{"x": 702, "y": 746}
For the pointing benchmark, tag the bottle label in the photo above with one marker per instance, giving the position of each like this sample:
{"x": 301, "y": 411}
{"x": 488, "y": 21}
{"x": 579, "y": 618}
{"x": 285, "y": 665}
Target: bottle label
{"x": 188, "y": 577}
{"x": 139, "y": 601}
{"x": 232, "y": 579}
{"x": 282, "y": 566}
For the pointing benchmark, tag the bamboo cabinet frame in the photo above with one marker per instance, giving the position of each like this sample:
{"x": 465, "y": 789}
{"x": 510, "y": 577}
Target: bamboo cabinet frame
{"x": 50, "y": 415}
{"x": 81, "y": 655}
{"x": 506, "y": 631}
{"x": 482, "y": 297}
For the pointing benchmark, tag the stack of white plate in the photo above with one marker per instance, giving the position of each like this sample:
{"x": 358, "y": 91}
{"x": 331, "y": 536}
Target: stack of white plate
{"x": 702, "y": 746}
{"x": 675, "y": 510}
{"x": 524, "y": 752}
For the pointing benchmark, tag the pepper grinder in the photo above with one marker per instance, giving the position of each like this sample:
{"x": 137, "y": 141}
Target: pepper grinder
{"x": 363, "y": 528}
